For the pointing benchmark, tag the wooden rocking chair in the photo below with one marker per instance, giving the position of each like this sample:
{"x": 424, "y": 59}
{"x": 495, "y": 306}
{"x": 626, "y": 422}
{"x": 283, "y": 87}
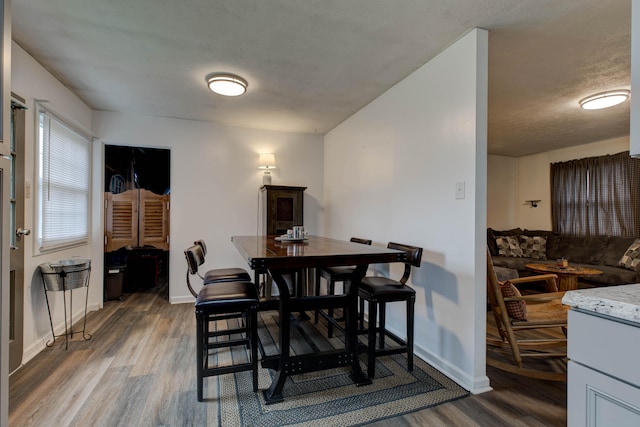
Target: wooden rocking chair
{"x": 515, "y": 313}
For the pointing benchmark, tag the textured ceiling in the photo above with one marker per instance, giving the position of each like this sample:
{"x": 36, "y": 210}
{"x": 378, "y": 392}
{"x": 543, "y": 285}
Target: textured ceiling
{"x": 311, "y": 63}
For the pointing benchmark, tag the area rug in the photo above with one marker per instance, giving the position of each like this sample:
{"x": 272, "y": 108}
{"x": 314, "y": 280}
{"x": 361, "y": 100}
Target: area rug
{"x": 329, "y": 398}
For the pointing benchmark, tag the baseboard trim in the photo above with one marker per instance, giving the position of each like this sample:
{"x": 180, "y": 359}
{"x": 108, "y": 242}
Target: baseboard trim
{"x": 41, "y": 343}
{"x": 474, "y": 385}
{"x": 182, "y": 299}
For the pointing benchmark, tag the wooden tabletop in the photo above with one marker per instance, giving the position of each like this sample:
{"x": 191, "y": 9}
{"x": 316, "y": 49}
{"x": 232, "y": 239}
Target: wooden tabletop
{"x": 316, "y": 251}
{"x": 552, "y": 268}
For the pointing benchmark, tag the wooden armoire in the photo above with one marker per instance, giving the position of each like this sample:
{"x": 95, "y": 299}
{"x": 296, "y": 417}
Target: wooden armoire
{"x": 282, "y": 208}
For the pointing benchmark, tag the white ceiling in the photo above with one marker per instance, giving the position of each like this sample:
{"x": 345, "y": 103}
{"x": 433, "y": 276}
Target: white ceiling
{"x": 313, "y": 63}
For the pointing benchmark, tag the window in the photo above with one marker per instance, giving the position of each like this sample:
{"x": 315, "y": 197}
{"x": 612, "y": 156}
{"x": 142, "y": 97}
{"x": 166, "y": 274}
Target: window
{"x": 596, "y": 196}
{"x": 64, "y": 182}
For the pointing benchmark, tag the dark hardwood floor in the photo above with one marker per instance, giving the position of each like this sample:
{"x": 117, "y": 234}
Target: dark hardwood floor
{"x": 139, "y": 370}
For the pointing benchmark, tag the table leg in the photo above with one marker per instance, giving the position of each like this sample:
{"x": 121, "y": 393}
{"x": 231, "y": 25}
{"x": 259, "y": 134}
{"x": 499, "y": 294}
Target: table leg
{"x": 567, "y": 282}
{"x": 301, "y": 287}
{"x": 351, "y": 319}
{"x": 274, "y": 393}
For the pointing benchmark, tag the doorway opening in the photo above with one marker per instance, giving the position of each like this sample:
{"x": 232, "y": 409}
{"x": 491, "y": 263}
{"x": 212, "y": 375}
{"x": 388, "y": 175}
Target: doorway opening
{"x": 137, "y": 209}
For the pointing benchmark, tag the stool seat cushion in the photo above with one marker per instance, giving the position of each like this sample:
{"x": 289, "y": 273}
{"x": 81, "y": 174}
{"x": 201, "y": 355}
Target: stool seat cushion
{"x": 226, "y": 295}
{"x": 383, "y": 286}
{"x": 226, "y": 275}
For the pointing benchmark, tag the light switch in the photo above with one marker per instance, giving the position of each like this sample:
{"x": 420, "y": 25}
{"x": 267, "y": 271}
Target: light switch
{"x": 460, "y": 190}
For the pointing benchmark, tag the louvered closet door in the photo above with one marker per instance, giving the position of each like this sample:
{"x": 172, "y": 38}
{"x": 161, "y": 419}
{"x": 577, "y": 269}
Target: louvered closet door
{"x": 154, "y": 220}
{"x": 121, "y": 219}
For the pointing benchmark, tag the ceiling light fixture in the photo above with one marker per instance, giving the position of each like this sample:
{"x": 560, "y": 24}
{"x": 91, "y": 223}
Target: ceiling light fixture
{"x": 226, "y": 84}
{"x": 605, "y": 99}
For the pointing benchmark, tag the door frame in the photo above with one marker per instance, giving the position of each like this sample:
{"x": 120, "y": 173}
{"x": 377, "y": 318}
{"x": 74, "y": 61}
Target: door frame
{"x": 5, "y": 164}
{"x": 108, "y": 168}
{"x": 16, "y": 251}
{"x": 5, "y": 89}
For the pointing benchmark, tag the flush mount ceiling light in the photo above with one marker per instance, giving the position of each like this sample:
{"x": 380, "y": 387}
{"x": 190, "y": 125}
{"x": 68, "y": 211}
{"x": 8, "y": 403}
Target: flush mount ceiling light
{"x": 226, "y": 84}
{"x": 604, "y": 99}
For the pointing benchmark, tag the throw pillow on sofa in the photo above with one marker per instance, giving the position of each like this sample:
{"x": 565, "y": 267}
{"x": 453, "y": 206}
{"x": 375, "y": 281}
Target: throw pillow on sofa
{"x": 509, "y": 246}
{"x": 553, "y": 239}
{"x": 631, "y": 258}
{"x": 616, "y": 247}
{"x": 534, "y": 247}
{"x": 493, "y": 234}
{"x": 515, "y": 309}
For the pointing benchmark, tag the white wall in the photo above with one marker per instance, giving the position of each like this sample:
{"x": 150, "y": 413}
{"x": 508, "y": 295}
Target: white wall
{"x": 502, "y": 191}
{"x": 214, "y": 186}
{"x": 215, "y": 181}
{"x": 31, "y": 81}
{"x": 511, "y": 181}
{"x": 390, "y": 175}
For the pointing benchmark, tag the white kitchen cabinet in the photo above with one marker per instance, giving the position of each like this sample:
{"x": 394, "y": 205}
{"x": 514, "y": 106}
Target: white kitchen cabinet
{"x": 603, "y": 387}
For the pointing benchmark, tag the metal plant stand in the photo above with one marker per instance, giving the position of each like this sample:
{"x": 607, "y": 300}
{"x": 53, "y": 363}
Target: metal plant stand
{"x": 66, "y": 275}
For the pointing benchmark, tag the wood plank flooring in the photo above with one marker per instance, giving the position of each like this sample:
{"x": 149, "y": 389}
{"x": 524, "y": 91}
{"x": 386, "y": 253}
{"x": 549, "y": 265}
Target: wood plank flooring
{"x": 139, "y": 370}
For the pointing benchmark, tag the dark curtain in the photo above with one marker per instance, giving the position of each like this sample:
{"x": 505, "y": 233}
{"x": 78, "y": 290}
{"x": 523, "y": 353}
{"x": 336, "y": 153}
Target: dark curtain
{"x": 596, "y": 196}
{"x": 569, "y": 197}
{"x": 634, "y": 172}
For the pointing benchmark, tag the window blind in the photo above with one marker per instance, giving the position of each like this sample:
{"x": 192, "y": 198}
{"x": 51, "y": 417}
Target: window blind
{"x": 64, "y": 184}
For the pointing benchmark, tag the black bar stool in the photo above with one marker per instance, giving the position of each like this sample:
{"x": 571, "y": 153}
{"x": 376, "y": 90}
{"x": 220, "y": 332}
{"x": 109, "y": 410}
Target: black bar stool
{"x": 333, "y": 275}
{"x": 221, "y": 274}
{"x": 379, "y": 291}
{"x": 223, "y": 301}
{"x": 195, "y": 258}
{"x": 225, "y": 294}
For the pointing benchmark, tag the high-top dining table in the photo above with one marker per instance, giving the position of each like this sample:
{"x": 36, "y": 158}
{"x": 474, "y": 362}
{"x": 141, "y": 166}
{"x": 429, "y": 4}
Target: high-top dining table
{"x": 280, "y": 258}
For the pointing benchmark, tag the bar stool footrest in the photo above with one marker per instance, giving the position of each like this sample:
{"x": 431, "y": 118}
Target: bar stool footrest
{"x": 231, "y": 369}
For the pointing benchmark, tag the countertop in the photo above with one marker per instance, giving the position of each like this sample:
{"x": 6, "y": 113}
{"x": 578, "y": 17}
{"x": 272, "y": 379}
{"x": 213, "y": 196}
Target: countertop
{"x": 621, "y": 302}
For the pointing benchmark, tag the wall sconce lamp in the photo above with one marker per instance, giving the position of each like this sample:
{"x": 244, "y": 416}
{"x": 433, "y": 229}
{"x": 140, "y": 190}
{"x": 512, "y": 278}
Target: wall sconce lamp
{"x": 266, "y": 162}
{"x": 534, "y": 203}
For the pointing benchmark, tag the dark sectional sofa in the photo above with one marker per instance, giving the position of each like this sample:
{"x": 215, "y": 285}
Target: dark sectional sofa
{"x": 600, "y": 252}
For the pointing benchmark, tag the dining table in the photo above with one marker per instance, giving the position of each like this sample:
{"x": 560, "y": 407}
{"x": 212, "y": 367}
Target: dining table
{"x": 280, "y": 257}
